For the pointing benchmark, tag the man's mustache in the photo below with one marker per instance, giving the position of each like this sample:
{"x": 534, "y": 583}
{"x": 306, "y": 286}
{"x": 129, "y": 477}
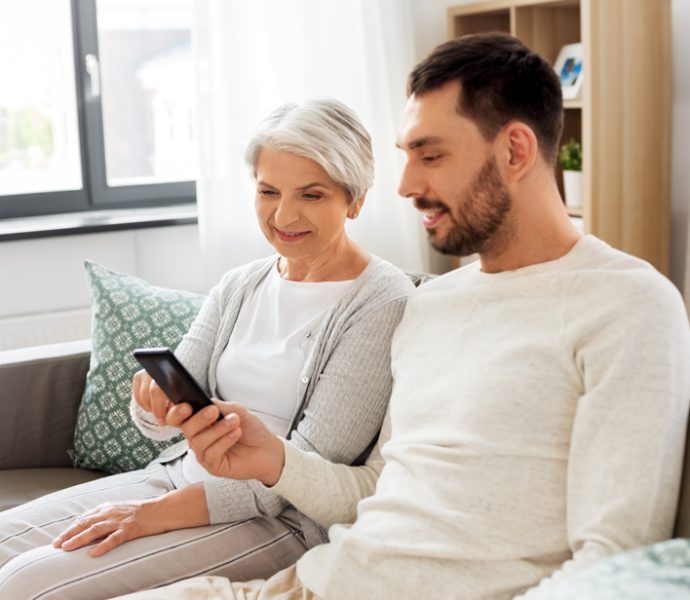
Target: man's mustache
{"x": 426, "y": 204}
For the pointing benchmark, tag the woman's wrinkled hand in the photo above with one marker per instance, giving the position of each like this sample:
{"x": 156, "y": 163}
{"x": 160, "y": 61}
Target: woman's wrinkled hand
{"x": 148, "y": 394}
{"x": 113, "y": 524}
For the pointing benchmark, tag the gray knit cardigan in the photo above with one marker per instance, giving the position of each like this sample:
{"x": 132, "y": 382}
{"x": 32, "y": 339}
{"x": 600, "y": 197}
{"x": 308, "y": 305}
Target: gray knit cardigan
{"x": 344, "y": 387}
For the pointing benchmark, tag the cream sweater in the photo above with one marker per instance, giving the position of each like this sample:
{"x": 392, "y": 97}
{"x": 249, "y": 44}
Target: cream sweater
{"x": 536, "y": 425}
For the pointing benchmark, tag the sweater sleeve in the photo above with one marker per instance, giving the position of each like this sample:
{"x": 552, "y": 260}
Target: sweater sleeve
{"x": 196, "y": 347}
{"x": 147, "y": 424}
{"x": 343, "y": 416}
{"x": 329, "y": 492}
{"x": 628, "y": 435}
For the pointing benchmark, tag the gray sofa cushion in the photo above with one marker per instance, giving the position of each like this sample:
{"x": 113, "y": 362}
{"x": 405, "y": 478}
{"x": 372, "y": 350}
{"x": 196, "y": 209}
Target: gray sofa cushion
{"x": 39, "y": 394}
{"x": 21, "y": 485}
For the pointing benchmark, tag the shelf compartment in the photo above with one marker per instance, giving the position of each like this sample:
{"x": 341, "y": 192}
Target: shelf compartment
{"x": 461, "y": 23}
{"x": 547, "y": 28}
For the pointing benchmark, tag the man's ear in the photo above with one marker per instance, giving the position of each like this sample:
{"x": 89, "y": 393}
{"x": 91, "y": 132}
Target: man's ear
{"x": 519, "y": 150}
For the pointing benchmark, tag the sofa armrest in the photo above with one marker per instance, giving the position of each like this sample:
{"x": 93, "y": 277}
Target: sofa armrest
{"x": 40, "y": 391}
{"x": 683, "y": 515}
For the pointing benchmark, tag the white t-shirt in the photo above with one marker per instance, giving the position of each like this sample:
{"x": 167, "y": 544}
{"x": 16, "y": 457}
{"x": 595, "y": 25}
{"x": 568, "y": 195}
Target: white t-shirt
{"x": 263, "y": 361}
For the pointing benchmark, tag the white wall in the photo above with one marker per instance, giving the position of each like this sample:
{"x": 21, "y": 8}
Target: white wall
{"x": 431, "y": 28}
{"x": 46, "y": 275}
{"x": 431, "y": 24}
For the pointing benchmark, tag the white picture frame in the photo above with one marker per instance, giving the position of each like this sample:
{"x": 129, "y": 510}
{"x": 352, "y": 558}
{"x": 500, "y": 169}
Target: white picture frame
{"x": 569, "y": 69}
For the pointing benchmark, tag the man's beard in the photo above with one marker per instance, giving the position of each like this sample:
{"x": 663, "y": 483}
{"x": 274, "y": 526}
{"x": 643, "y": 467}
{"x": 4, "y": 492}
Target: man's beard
{"x": 480, "y": 223}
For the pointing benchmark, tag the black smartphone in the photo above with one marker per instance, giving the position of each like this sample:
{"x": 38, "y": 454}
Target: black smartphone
{"x": 172, "y": 377}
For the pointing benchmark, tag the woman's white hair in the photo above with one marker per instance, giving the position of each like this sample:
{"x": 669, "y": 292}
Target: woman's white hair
{"x": 327, "y": 132}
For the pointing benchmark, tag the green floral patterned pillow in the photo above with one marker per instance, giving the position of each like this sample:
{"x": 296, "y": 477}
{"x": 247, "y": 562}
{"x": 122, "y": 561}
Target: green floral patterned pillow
{"x": 658, "y": 571}
{"x": 128, "y": 313}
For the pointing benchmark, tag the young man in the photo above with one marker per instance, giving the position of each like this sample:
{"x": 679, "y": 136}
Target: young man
{"x": 538, "y": 416}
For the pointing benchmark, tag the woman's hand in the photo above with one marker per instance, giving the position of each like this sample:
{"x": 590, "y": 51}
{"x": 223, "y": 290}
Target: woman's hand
{"x": 148, "y": 394}
{"x": 116, "y": 523}
{"x": 238, "y": 446}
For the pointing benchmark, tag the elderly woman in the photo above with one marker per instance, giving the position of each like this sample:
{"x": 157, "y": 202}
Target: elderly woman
{"x": 301, "y": 338}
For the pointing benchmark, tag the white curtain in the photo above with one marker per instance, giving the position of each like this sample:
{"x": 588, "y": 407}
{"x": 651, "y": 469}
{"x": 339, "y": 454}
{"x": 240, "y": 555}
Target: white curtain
{"x": 253, "y": 55}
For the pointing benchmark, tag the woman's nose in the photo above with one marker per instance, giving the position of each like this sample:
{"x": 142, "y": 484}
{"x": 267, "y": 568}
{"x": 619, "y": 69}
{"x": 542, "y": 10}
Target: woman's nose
{"x": 286, "y": 213}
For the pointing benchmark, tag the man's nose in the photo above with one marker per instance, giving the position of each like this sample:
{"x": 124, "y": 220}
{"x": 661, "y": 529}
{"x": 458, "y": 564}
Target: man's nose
{"x": 411, "y": 183}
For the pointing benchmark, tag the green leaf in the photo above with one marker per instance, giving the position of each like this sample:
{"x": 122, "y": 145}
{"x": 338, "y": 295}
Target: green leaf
{"x": 570, "y": 157}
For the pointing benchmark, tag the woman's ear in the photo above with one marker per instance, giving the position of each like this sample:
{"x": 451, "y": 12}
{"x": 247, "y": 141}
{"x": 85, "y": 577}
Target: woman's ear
{"x": 520, "y": 150}
{"x": 355, "y": 208}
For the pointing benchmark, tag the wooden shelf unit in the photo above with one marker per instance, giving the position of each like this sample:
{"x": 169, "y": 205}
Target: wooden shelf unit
{"x": 623, "y": 117}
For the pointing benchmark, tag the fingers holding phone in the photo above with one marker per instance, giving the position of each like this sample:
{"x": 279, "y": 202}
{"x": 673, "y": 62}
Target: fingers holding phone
{"x": 148, "y": 394}
{"x": 180, "y": 413}
{"x": 170, "y": 386}
{"x": 239, "y": 445}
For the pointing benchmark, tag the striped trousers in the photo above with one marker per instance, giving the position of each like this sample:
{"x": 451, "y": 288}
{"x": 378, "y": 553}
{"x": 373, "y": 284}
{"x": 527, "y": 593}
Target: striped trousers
{"x": 31, "y": 569}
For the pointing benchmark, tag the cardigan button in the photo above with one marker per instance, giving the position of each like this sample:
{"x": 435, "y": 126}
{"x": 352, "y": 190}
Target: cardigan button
{"x": 305, "y": 380}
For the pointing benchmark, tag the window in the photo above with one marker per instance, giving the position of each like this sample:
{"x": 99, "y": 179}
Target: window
{"x": 96, "y": 106}
{"x": 39, "y": 136}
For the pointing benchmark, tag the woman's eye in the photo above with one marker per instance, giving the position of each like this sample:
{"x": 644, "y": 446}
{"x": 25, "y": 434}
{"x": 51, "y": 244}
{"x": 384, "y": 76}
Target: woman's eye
{"x": 312, "y": 196}
{"x": 267, "y": 193}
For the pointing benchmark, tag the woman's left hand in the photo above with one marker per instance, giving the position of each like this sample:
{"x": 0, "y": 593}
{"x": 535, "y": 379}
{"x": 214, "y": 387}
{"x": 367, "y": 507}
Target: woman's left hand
{"x": 124, "y": 521}
{"x": 117, "y": 523}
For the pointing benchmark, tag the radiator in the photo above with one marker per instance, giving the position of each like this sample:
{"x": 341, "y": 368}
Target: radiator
{"x": 45, "y": 328}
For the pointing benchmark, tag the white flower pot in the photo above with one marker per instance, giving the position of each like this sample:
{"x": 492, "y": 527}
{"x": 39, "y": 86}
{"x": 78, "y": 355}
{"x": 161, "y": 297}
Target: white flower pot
{"x": 572, "y": 186}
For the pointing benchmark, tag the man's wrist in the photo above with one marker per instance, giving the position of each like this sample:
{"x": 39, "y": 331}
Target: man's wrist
{"x": 276, "y": 462}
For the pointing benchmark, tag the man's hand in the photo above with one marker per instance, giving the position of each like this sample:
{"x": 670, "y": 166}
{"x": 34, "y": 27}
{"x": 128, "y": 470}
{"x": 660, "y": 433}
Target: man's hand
{"x": 116, "y": 523}
{"x": 238, "y": 446}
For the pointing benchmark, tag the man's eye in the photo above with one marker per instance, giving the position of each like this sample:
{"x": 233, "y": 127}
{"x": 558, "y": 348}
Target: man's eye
{"x": 267, "y": 193}
{"x": 430, "y": 157}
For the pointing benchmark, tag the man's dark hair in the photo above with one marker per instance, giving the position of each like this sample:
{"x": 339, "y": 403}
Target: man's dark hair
{"x": 501, "y": 80}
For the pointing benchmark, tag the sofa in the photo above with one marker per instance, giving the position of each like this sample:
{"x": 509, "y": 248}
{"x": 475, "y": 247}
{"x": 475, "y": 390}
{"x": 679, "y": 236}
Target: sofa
{"x": 40, "y": 392}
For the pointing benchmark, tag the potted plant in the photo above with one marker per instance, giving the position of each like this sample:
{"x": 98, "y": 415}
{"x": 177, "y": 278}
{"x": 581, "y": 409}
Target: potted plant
{"x": 570, "y": 159}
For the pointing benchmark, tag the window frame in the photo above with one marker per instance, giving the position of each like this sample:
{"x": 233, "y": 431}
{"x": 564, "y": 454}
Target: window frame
{"x": 95, "y": 194}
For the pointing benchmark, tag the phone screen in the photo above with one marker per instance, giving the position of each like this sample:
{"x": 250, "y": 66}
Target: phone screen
{"x": 172, "y": 377}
